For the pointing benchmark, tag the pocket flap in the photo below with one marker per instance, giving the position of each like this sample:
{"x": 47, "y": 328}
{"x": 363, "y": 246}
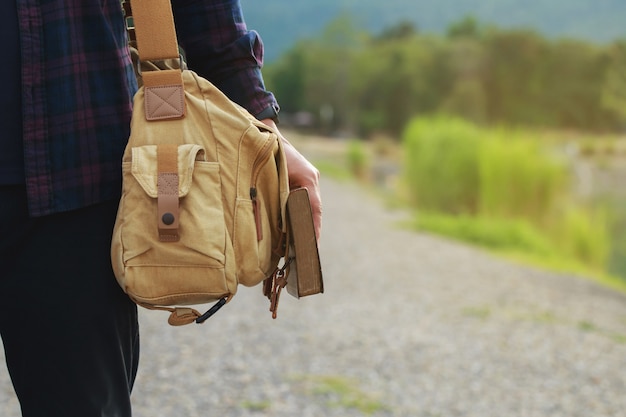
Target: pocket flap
{"x": 144, "y": 167}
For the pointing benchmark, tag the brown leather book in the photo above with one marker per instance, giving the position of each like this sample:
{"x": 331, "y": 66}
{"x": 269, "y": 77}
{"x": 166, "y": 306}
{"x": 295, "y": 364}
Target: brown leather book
{"x": 305, "y": 271}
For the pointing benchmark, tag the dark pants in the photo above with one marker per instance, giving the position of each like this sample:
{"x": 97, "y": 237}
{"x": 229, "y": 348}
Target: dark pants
{"x": 69, "y": 332}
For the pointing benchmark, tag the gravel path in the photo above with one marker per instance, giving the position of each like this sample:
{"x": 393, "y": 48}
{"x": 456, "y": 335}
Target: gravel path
{"x": 410, "y": 325}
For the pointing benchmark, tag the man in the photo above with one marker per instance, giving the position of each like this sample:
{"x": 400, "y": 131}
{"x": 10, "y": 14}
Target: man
{"x": 70, "y": 334}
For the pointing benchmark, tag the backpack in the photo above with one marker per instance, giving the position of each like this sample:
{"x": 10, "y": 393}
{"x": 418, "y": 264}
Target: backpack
{"x": 204, "y": 195}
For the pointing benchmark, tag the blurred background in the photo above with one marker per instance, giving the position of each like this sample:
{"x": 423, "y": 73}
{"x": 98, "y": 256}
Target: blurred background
{"x": 498, "y": 123}
{"x": 501, "y": 122}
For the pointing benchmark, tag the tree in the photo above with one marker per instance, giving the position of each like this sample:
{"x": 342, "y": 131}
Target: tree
{"x": 574, "y": 74}
{"x": 614, "y": 86}
{"x": 286, "y": 79}
{"x": 402, "y": 30}
{"x": 466, "y": 63}
{"x": 513, "y": 77}
{"x": 392, "y": 81}
{"x": 468, "y": 27}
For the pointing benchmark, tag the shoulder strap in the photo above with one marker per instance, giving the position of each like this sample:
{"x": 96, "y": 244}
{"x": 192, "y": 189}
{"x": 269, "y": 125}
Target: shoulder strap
{"x": 153, "y": 25}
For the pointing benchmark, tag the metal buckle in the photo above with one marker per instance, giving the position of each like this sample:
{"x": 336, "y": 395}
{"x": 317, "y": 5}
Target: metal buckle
{"x": 162, "y": 64}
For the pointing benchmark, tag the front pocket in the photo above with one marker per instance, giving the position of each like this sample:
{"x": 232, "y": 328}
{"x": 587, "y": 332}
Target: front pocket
{"x": 257, "y": 219}
{"x": 254, "y": 257}
{"x": 195, "y": 268}
{"x": 202, "y": 230}
{"x": 202, "y": 227}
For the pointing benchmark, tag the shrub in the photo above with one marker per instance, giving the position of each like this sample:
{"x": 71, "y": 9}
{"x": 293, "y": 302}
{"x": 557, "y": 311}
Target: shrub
{"x": 583, "y": 234}
{"x": 499, "y": 189}
{"x": 518, "y": 179}
{"x": 358, "y": 161}
{"x": 441, "y": 164}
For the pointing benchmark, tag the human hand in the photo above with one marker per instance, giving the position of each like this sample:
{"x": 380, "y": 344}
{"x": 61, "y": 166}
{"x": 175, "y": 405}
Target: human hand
{"x": 302, "y": 174}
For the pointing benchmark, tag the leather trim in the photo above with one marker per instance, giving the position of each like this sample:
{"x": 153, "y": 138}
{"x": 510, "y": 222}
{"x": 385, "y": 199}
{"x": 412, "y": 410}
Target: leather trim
{"x": 167, "y": 193}
{"x": 164, "y": 102}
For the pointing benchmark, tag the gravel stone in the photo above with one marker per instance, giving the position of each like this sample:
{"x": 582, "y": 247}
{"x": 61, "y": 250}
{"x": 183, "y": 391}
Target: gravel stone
{"x": 410, "y": 325}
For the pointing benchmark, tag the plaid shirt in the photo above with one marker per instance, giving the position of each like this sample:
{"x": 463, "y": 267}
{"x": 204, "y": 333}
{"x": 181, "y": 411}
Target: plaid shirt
{"x": 78, "y": 83}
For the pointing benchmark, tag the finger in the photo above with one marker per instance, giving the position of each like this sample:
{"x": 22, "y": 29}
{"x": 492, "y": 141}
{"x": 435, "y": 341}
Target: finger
{"x": 308, "y": 177}
{"x": 316, "y": 209}
{"x": 302, "y": 174}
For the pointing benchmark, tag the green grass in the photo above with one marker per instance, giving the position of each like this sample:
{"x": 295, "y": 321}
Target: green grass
{"x": 341, "y": 392}
{"x": 333, "y": 170}
{"x": 517, "y": 241}
{"x": 256, "y": 406}
{"x": 502, "y": 189}
{"x": 482, "y": 313}
{"x": 566, "y": 266}
{"x": 543, "y": 317}
{"x": 490, "y": 233}
{"x": 589, "y": 327}
{"x": 619, "y": 338}
{"x": 486, "y": 312}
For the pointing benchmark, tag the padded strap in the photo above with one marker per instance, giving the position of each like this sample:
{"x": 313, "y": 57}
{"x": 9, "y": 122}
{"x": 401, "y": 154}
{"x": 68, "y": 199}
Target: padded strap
{"x": 156, "y": 41}
{"x": 167, "y": 192}
{"x": 154, "y": 29}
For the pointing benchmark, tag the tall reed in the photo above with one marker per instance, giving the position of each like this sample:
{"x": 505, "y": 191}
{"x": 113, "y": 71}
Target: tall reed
{"x": 441, "y": 164}
{"x": 492, "y": 181}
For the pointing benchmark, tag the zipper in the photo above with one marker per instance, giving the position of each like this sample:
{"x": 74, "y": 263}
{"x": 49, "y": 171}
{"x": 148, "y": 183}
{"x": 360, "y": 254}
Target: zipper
{"x": 259, "y": 162}
{"x": 257, "y": 214}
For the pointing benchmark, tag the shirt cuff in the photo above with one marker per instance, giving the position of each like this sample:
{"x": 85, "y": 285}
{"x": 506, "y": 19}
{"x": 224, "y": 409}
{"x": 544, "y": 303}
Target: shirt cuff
{"x": 270, "y": 112}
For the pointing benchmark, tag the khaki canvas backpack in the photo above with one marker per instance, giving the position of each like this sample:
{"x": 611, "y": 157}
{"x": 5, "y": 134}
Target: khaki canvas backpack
{"x": 204, "y": 188}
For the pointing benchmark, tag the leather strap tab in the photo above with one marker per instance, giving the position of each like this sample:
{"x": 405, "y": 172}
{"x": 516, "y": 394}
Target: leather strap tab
{"x": 179, "y": 316}
{"x": 167, "y": 193}
{"x": 182, "y": 316}
{"x": 164, "y": 95}
{"x": 156, "y": 41}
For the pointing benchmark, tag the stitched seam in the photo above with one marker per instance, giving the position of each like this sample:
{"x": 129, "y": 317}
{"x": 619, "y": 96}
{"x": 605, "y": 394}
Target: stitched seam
{"x": 155, "y": 102}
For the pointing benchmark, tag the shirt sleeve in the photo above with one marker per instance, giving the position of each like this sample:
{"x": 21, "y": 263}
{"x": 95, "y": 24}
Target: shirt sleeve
{"x": 219, "y": 47}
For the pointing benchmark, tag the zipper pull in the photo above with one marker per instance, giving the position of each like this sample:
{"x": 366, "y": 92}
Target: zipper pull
{"x": 257, "y": 214}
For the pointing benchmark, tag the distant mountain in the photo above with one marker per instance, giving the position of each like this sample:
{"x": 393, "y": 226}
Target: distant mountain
{"x": 282, "y": 22}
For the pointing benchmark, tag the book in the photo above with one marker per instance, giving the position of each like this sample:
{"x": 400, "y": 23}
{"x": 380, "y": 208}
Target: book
{"x": 305, "y": 272}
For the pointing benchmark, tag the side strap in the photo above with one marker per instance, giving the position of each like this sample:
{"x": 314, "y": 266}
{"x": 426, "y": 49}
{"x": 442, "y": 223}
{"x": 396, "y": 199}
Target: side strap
{"x": 167, "y": 192}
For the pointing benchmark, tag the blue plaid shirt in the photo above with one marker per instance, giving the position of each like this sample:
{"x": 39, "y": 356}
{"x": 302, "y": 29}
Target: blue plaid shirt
{"x": 78, "y": 83}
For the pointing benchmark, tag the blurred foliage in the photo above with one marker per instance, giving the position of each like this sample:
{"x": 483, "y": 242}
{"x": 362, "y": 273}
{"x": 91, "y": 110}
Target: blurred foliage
{"x": 501, "y": 189}
{"x": 447, "y": 97}
{"x": 491, "y": 233}
{"x": 482, "y": 73}
{"x": 358, "y": 160}
{"x": 584, "y": 235}
{"x": 518, "y": 178}
{"x": 598, "y": 21}
{"x": 442, "y": 165}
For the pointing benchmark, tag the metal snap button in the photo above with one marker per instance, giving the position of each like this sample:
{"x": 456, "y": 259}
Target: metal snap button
{"x": 167, "y": 218}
